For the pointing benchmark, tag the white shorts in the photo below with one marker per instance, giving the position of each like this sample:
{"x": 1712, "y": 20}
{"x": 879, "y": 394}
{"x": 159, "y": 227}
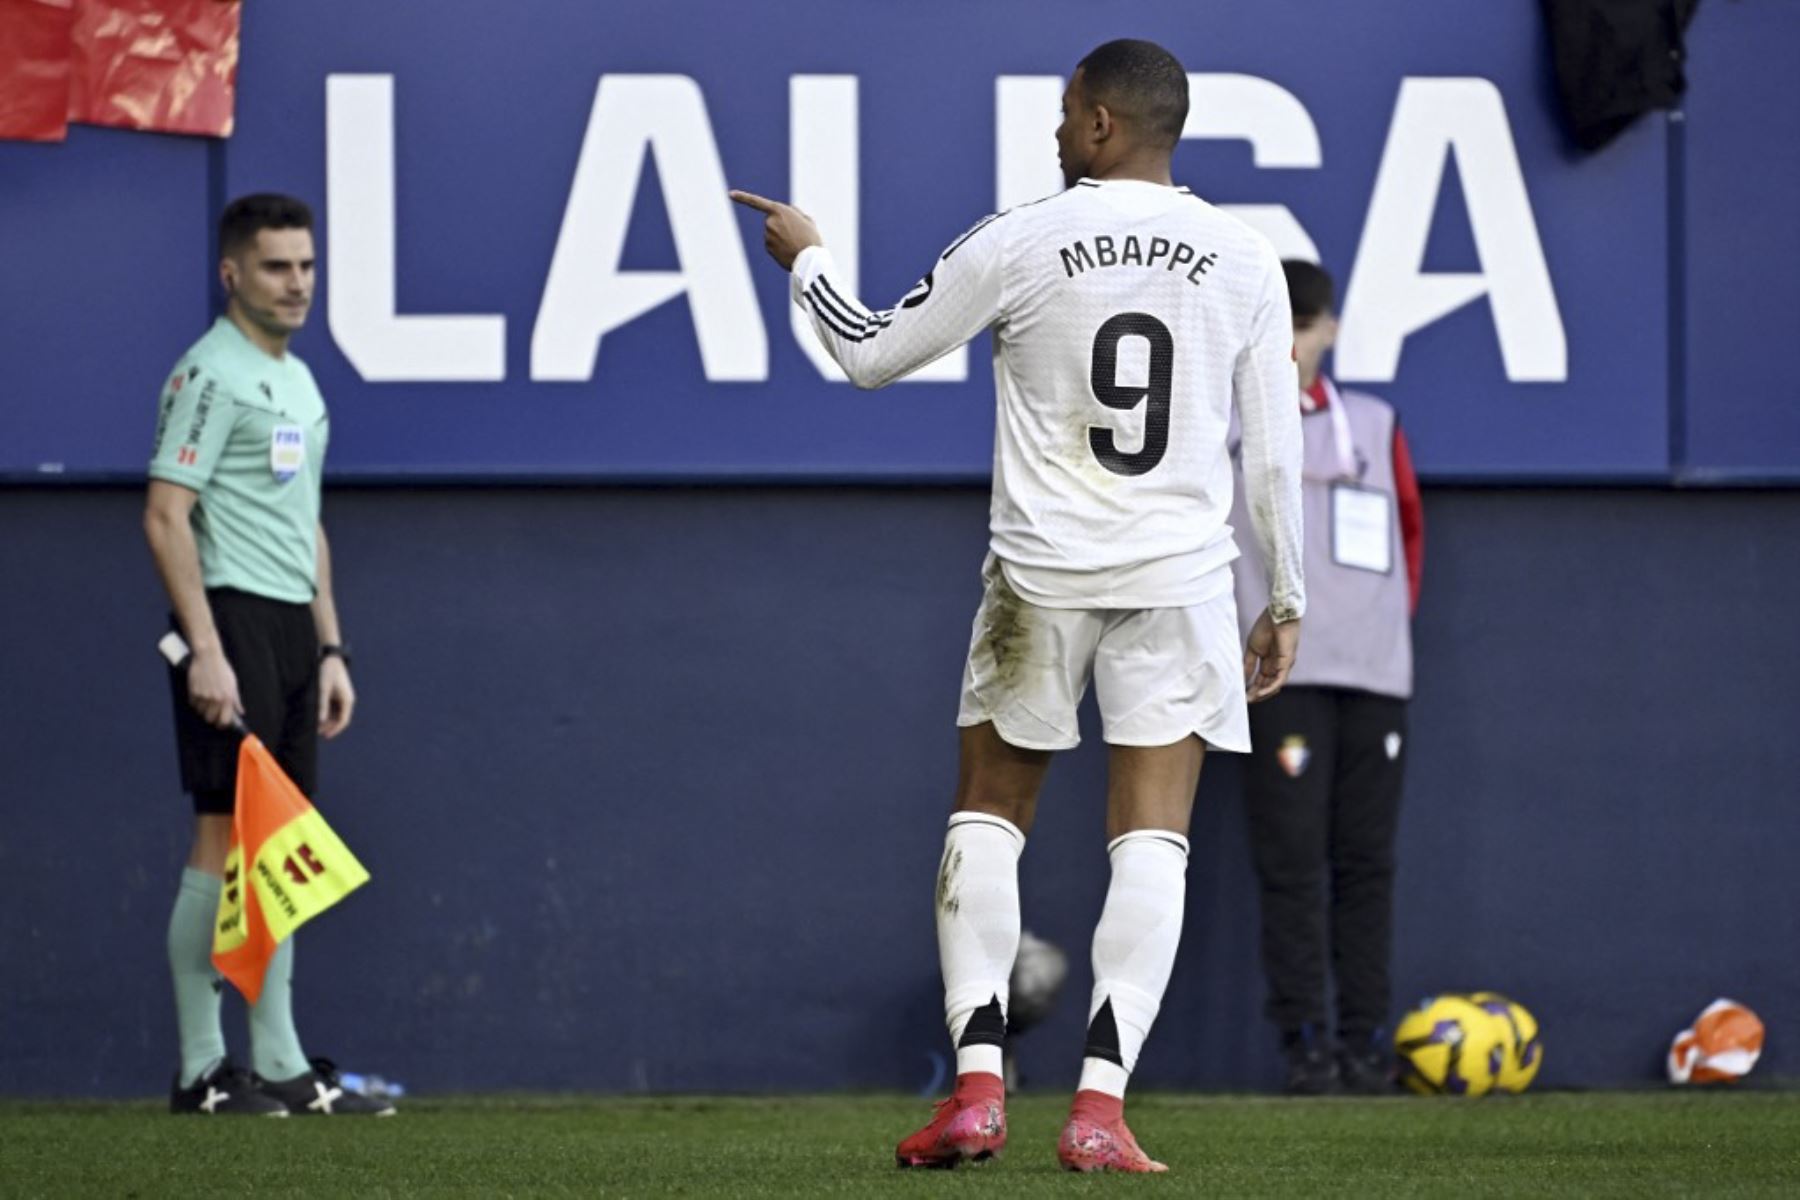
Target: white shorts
{"x": 1159, "y": 673}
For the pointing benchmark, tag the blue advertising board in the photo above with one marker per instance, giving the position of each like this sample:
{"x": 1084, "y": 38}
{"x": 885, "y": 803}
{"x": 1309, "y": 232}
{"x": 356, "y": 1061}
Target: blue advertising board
{"x": 529, "y": 267}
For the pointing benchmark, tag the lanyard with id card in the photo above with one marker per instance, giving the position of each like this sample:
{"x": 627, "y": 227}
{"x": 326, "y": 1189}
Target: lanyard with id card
{"x": 1362, "y": 519}
{"x": 1362, "y": 523}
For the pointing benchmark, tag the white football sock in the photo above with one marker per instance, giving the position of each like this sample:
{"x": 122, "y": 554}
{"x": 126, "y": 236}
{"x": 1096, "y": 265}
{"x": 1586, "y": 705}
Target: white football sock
{"x": 1134, "y": 951}
{"x": 978, "y": 934}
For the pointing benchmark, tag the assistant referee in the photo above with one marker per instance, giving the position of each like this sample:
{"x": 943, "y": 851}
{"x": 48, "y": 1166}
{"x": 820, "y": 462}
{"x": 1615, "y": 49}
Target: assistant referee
{"x": 232, "y": 518}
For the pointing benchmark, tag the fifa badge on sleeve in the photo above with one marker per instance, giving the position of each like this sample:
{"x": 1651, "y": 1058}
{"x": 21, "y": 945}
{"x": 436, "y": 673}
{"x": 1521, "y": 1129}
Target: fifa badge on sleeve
{"x": 287, "y": 452}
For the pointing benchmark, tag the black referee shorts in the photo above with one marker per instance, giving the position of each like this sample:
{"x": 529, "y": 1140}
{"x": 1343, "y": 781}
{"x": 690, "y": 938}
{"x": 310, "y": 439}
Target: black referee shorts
{"x": 273, "y": 648}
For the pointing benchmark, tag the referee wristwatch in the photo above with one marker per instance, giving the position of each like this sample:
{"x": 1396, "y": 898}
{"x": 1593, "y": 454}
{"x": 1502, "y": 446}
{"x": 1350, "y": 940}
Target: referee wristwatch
{"x": 337, "y": 650}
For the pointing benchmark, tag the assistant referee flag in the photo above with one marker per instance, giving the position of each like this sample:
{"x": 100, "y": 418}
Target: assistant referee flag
{"x": 297, "y": 868}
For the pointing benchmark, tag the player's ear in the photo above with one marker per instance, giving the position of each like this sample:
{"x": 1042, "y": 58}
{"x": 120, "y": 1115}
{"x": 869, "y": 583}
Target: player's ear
{"x": 228, "y": 275}
{"x": 1101, "y": 124}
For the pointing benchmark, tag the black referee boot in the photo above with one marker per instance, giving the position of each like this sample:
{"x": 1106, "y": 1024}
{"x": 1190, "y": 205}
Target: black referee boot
{"x": 1365, "y": 1065}
{"x": 224, "y": 1091}
{"x": 1311, "y": 1070}
{"x": 318, "y": 1093}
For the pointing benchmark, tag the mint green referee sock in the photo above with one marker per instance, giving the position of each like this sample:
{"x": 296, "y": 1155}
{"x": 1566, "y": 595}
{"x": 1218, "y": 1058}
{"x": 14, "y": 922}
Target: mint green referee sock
{"x": 275, "y": 1051}
{"x": 197, "y": 985}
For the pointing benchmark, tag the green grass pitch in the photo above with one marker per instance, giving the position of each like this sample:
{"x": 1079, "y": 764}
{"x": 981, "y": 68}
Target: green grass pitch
{"x": 1596, "y": 1144}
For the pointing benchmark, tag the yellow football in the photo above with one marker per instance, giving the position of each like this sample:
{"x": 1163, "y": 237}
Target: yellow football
{"x": 1524, "y": 1049}
{"x": 1450, "y": 1046}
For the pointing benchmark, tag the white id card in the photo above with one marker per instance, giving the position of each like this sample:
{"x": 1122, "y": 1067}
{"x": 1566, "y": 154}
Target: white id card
{"x": 287, "y": 451}
{"x": 173, "y": 647}
{"x": 1362, "y": 529}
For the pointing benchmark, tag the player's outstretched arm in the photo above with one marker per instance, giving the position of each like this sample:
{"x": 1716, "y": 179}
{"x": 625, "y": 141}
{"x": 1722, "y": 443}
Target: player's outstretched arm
{"x": 958, "y": 298}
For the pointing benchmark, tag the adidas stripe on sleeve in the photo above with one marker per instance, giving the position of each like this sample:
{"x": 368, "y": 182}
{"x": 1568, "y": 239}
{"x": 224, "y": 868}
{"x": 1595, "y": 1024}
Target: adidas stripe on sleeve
{"x": 957, "y": 299}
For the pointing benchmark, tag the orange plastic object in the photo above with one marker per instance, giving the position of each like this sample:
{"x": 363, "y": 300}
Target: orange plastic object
{"x": 1721, "y": 1047}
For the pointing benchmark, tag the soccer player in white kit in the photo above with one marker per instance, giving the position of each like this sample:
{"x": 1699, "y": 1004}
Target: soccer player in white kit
{"x": 1129, "y": 317}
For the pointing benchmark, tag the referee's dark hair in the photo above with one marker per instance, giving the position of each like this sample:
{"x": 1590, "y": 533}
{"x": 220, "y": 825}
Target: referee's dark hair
{"x": 1142, "y": 83}
{"x": 1310, "y": 293}
{"x": 248, "y": 216}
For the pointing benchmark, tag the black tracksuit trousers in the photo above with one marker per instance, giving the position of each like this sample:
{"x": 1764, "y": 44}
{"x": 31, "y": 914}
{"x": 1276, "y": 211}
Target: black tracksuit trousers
{"x": 1323, "y": 792}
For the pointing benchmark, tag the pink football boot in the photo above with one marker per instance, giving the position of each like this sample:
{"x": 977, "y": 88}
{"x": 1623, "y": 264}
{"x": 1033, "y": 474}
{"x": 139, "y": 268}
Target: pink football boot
{"x": 970, "y": 1126}
{"x": 1095, "y": 1139}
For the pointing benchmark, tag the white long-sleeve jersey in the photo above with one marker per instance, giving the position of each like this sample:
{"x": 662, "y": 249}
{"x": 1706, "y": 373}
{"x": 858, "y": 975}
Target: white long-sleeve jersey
{"x": 1128, "y": 318}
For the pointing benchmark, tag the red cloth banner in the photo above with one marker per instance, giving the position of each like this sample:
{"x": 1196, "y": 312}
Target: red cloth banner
{"x": 163, "y": 65}
{"x": 34, "y": 69}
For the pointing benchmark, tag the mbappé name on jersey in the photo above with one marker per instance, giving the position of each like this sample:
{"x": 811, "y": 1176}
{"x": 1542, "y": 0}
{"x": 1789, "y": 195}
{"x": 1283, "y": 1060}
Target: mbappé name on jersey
{"x": 1102, "y": 250}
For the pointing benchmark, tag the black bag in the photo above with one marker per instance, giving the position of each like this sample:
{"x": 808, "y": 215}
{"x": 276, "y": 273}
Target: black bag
{"x": 1616, "y": 60}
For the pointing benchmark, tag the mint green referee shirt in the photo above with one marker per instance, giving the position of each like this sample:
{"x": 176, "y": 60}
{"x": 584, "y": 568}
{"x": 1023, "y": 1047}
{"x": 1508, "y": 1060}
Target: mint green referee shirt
{"x": 247, "y": 432}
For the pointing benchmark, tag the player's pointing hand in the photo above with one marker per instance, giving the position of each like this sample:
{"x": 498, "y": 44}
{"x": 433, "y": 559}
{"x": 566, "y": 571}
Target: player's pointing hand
{"x": 786, "y": 230}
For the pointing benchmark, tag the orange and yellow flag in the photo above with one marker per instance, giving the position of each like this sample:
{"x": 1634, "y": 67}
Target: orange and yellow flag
{"x": 297, "y": 868}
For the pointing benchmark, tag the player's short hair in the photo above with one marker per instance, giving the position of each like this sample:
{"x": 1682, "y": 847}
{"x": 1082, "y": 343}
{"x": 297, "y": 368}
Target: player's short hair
{"x": 248, "y": 216}
{"x": 1310, "y": 293}
{"x": 1141, "y": 82}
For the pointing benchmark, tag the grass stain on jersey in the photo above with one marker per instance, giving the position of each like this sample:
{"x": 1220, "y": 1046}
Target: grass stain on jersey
{"x": 948, "y": 903}
{"x": 1081, "y": 454}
